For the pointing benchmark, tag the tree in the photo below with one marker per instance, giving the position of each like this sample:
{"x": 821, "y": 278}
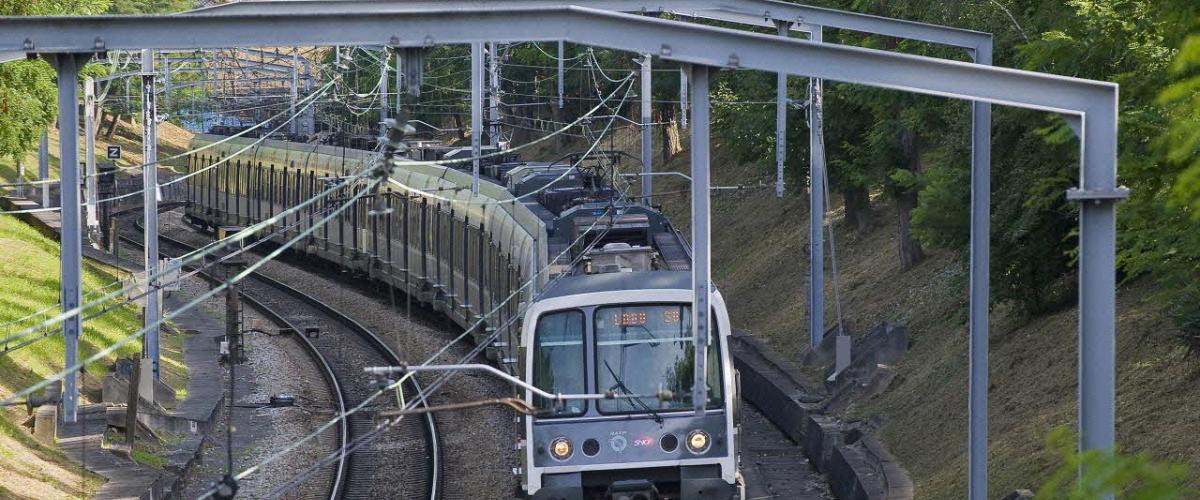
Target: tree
{"x": 28, "y": 96}
{"x": 1134, "y": 477}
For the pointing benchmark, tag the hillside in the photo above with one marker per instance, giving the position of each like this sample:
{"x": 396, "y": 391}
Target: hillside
{"x": 31, "y": 266}
{"x": 760, "y": 262}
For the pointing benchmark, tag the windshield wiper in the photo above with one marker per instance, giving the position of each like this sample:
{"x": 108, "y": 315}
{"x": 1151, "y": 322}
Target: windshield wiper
{"x": 633, "y": 397}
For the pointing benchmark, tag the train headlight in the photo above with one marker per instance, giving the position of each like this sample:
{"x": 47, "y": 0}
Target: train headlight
{"x": 561, "y": 448}
{"x": 698, "y": 441}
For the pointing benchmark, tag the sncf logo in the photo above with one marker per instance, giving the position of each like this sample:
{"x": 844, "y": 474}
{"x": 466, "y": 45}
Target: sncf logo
{"x": 644, "y": 441}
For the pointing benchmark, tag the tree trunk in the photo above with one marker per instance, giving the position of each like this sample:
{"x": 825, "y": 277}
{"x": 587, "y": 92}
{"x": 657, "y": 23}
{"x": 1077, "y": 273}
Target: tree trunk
{"x": 858, "y": 207}
{"x": 458, "y": 123}
{"x": 911, "y": 252}
{"x": 670, "y": 138}
{"x": 116, "y": 117}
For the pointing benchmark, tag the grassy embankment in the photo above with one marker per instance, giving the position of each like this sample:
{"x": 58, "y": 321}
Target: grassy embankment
{"x": 29, "y": 276}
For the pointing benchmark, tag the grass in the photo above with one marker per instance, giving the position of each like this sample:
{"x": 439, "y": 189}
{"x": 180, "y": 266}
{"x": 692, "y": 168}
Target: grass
{"x": 172, "y": 140}
{"x": 29, "y": 274}
{"x": 148, "y": 458}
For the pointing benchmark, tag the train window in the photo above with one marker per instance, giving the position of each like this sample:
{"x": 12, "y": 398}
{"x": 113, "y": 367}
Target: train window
{"x": 558, "y": 362}
{"x": 644, "y": 348}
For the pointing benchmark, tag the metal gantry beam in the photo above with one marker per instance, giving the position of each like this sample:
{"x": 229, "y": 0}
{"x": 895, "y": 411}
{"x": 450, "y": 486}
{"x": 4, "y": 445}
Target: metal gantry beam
{"x": 1092, "y": 104}
{"x": 761, "y": 13}
{"x": 647, "y": 131}
{"x": 150, "y": 208}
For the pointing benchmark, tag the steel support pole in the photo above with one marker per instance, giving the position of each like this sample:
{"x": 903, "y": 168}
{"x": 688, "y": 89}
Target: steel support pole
{"x": 384, "y": 55}
{"x": 476, "y": 110}
{"x": 44, "y": 166}
{"x": 701, "y": 278}
{"x": 493, "y": 95}
{"x": 166, "y": 80}
{"x": 683, "y": 96}
{"x": 647, "y": 131}
{"x": 980, "y": 258}
{"x": 816, "y": 211}
{"x": 150, "y": 206}
{"x": 781, "y": 104}
{"x": 89, "y": 156}
{"x": 71, "y": 239}
{"x": 560, "y": 74}
{"x": 295, "y": 90}
{"x": 400, "y": 81}
{"x": 1097, "y": 279}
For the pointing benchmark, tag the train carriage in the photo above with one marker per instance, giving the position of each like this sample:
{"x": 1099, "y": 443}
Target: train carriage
{"x": 601, "y": 303}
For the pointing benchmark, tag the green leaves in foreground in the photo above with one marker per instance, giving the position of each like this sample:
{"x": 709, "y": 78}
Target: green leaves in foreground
{"x": 1134, "y": 477}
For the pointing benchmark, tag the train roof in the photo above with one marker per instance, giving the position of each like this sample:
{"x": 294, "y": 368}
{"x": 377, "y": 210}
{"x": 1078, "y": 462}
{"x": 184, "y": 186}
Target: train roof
{"x": 611, "y": 282}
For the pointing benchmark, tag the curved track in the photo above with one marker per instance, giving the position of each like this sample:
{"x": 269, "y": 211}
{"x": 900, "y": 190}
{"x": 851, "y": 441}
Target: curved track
{"x": 403, "y": 463}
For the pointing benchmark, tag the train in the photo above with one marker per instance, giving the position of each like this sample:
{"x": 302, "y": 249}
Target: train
{"x": 565, "y": 282}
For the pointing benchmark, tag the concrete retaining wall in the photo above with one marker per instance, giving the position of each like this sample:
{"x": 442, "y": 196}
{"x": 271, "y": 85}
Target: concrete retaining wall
{"x": 855, "y": 461}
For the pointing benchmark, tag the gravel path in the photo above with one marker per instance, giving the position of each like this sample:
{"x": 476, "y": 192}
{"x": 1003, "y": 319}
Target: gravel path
{"x": 276, "y": 365}
{"x": 477, "y": 445}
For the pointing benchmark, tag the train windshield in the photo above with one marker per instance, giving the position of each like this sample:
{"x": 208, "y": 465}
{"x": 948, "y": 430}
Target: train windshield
{"x": 644, "y": 348}
{"x": 558, "y": 362}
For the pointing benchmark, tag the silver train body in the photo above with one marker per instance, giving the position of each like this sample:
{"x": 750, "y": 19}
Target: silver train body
{"x": 570, "y": 288}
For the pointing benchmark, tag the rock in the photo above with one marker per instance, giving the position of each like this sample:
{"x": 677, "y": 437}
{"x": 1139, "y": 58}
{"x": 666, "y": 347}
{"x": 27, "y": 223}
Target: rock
{"x": 1018, "y": 495}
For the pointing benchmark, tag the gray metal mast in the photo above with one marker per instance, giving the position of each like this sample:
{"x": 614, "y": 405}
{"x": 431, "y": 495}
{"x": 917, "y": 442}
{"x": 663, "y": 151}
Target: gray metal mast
{"x": 293, "y": 125}
{"x": 781, "y": 104}
{"x": 560, "y": 74}
{"x": 647, "y": 132}
{"x": 476, "y": 111}
{"x": 493, "y": 95}
{"x": 683, "y": 96}
{"x": 400, "y": 81}
{"x": 150, "y": 206}
{"x": 701, "y": 278}
{"x": 44, "y": 166}
{"x": 89, "y": 156}
{"x": 72, "y": 233}
{"x": 816, "y": 211}
{"x": 980, "y": 259}
{"x": 384, "y": 55}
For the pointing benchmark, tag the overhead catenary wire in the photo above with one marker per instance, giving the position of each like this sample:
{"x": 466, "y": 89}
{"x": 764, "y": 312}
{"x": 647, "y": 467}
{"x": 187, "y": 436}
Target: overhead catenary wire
{"x": 423, "y": 396}
{"x": 193, "y": 303}
{"x": 520, "y": 290}
{"x": 253, "y": 229}
{"x": 308, "y": 98}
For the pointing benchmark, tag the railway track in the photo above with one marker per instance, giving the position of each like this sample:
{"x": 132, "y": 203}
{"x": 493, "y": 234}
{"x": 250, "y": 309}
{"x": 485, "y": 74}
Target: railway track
{"x": 403, "y": 463}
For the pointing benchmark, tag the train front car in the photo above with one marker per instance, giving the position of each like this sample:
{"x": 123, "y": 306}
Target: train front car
{"x": 629, "y": 334}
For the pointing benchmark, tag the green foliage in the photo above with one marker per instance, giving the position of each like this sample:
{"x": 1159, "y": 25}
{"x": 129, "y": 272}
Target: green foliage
{"x": 1183, "y": 145}
{"x": 27, "y": 105}
{"x": 27, "y": 90}
{"x": 149, "y": 6}
{"x": 1133, "y": 477}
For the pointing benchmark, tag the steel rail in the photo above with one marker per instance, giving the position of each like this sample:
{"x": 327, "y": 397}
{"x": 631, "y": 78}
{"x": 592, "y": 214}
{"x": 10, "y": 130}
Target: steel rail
{"x": 340, "y": 484}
